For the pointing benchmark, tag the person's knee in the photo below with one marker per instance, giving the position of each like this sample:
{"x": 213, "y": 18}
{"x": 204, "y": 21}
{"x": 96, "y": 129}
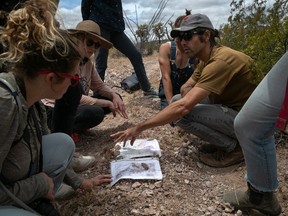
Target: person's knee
{"x": 98, "y": 116}
{"x": 89, "y": 117}
{"x": 68, "y": 140}
{"x": 58, "y": 150}
{"x": 241, "y": 125}
{"x": 94, "y": 115}
{"x": 65, "y": 143}
{"x": 175, "y": 98}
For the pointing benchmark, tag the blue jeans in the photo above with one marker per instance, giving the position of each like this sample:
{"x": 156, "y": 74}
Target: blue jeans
{"x": 255, "y": 126}
{"x": 57, "y": 149}
{"x": 122, "y": 43}
{"x": 163, "y": 103}
{"x": 212, "y": 123}
{"x": 14, "y": 211}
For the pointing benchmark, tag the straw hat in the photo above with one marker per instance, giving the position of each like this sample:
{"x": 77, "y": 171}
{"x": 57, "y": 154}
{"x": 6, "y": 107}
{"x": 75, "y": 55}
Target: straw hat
{"x": 92, "y": 28}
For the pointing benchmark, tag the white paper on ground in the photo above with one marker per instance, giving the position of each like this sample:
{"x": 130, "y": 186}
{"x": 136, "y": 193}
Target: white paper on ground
{"x": 140, "y": 148}
{"x": 140, "y": 168}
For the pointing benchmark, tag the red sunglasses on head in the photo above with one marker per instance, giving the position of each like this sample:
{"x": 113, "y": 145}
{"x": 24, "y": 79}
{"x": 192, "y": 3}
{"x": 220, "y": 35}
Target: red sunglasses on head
{"x": 74, "y": 78}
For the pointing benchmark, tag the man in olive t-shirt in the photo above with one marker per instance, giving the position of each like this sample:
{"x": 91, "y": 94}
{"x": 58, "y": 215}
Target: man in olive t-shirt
{"x": 226, "y": 78}
{"x": 211, "y": 98}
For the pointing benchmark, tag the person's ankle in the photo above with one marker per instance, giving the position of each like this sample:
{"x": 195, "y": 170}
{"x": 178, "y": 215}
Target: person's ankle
{"x": 255, "y": 196}
{"x": 151, "y": 92}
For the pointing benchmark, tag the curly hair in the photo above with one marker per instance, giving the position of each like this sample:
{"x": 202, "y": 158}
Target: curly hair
{"x": 32, "y": 41}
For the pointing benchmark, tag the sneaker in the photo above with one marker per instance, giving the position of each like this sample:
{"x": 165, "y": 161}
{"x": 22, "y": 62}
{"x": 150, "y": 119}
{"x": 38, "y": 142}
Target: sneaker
{"x": 208, "y": 148}
{"x": 267, "y": 202}
{"x": 151, "y": 92}
{"x": 222, "y": 158}
{"x": 64, "y": 192}
{"x": 44, "y": 207}
{"x": 81, "y": 163}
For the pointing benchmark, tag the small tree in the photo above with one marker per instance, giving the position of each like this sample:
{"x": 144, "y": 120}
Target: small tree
{"x": 146, "y": 31}
{"x": 158, "y": 30}
{"x": 143, "y": 34}
{"x": 258, "y": 31}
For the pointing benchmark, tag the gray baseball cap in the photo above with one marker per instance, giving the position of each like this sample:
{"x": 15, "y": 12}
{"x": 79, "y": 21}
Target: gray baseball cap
{"x": 191, "y": 22}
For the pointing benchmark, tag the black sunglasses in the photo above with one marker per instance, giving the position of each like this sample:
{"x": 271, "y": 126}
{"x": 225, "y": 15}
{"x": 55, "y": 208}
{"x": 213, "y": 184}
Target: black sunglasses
{"x": 90, "y": 42}
{"x": 187, "y": 35}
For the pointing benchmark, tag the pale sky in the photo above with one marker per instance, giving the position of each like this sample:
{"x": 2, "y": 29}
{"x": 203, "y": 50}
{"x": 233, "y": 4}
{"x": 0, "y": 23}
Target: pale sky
{"x": 217, "y": 10}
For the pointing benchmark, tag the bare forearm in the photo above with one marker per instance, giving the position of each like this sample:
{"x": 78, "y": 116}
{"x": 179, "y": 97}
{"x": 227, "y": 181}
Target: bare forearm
{"x": 94, "y": 101}
{"x": 175, "y": 110}
{"x": 168, "y": 90}
{"x": 171, "y": 113}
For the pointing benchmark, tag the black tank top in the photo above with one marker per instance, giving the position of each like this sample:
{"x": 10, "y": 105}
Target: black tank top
{"x": 178, "y": 76}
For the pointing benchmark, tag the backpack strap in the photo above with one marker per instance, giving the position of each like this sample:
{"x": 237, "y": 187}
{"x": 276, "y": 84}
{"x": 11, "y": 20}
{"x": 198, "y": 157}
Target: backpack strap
{"x": 173, "y": 52}
{"x": 174, "y": 68}
{"x": 6, "y": 85}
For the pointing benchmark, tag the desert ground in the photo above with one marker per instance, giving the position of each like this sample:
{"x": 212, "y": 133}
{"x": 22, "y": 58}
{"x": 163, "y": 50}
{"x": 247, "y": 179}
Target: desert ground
{"x": 188, "y": 187}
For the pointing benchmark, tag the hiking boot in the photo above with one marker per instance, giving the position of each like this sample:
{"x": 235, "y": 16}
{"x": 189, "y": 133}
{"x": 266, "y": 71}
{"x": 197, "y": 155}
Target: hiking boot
{"x": 208, "y": 148}
{"x": 44, "y": 207}
{"x": 222, "y": 158}
{"x": 81, "y": 163}
{"x": 264, "y": 202}
{"x": 64, "y": 192}
{"x": 151, "y": 92}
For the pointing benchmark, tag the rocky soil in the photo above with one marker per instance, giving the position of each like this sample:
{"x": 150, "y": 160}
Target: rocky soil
{"x": 188, "y": 186}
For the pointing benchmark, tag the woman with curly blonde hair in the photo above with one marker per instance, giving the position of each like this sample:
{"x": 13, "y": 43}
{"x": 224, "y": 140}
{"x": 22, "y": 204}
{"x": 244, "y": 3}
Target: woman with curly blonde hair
{"x": 42, "y": 61}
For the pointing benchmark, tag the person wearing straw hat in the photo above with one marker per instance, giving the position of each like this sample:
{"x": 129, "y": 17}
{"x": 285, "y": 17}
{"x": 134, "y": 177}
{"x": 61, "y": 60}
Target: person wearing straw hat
{"x": 93, "y": 108}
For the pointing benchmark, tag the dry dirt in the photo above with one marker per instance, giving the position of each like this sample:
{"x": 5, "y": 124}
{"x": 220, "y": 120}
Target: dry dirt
{"x": 188, "y": 186}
